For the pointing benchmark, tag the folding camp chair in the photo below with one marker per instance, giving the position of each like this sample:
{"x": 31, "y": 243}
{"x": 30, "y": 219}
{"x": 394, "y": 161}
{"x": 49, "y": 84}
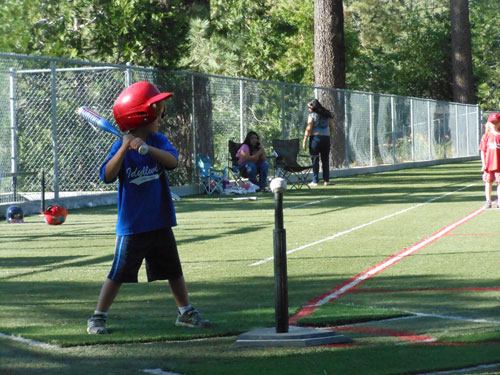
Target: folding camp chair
{"x": 286, "y": 152}
{"x": 211, "y": 179}
{"x": 237, "y": 174}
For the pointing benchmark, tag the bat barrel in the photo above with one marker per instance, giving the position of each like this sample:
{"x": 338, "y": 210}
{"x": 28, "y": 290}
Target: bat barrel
{"x": 97, "y": 120}
{"x": 88, "y": 115}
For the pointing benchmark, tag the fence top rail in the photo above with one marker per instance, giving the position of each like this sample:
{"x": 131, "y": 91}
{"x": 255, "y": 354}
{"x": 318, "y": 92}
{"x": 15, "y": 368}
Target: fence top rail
{"x": 76, "y": 61}
{"x": 97, "y": 65}
{"x": 38, "y": 71}
{"x": 291, "y": 84}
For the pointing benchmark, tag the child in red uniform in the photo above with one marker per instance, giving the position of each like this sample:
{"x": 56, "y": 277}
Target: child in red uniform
{"x": 490, "y": 157}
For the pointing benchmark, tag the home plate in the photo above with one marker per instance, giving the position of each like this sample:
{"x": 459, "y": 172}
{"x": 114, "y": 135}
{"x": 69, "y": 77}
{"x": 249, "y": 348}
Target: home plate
{"x": 296, "y": 336}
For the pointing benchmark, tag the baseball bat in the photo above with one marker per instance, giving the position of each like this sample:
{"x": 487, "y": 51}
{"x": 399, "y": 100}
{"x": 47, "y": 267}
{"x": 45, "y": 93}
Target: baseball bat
{"x": 99, "y": 122}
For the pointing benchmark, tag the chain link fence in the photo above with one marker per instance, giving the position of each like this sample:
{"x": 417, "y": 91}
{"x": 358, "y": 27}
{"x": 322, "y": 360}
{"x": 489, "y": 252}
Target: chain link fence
{"x": 41, "y": 131}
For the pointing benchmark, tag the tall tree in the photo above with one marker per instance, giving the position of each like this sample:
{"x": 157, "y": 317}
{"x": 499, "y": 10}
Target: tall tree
{"x": 461, "y": 52}
{"x": 329, "y": 66}
{"x": 329, "y": 45}
{"x": 204, "y": 137}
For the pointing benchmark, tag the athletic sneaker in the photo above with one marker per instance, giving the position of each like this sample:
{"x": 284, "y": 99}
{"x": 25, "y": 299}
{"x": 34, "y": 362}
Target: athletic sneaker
{"x": 312, "y": 184}
{"x": 488, "y": 204}
{"x": 96, "y": 325}
{"x": 192, "y": 318}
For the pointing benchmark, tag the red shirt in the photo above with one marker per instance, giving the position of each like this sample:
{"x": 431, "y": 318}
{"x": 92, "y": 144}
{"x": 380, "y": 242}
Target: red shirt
{"x": 490, "y": 145}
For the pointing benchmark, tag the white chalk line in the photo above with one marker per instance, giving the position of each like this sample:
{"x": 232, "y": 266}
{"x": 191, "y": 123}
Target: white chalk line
{"x": 159, "y": 371}
{"x": 35, "y": 343}
{"x": 418, "y": 315}
{"x": 455, "y": 317}
{"x": 311, "y": 203}
{"x": 390, "y": 261}
{"x": 45, "y": 345}
{"x": 263, "y": 261}
{"x": 461, "y": 370}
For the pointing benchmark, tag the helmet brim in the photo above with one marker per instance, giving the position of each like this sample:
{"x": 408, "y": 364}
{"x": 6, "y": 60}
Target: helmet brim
{"x": 159, "y": 97}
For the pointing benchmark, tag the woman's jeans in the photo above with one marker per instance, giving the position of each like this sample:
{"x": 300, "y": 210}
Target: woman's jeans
{"x": 260, "y": 168}
{"x": 320, "y": 145}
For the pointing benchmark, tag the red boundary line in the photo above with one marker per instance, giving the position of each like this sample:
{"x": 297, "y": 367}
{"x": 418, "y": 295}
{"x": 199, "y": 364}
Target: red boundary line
{"x": 426, "y": 290}
{"x": 406, "y": 336}
{"x": 473, "y": 234}
{"x": 357, "y": 280}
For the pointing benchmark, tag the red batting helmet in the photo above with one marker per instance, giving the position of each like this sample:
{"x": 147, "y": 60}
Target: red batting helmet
{"x": 55, "y": 215}
{"x": 494, "y": 117}
{"x": 134, "y": 107}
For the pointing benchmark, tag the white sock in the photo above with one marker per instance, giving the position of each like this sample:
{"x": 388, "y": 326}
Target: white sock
{"x": 103, "y": 313}
{"x": 183, "y": 309}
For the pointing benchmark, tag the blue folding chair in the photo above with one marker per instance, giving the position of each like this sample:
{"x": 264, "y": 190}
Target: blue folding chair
{"x": 211, "y": 179}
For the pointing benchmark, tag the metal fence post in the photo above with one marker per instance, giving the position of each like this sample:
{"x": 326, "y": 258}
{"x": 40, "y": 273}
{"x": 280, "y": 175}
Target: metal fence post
{"x": 370, "y": 104}
{"x": 412, "y": 131}
{"x": 393, "y": 134}
{"x": 467, "y": 130}
{"x": 457, "y": 144}
{"x": 445, "y": 121}
{"x": 128, "y": 75}
{"x": 13, "y": 131}
{"x": 193, "y": 131}
{"x": 479, "y": 117}
{"x": 53, "y": 109}
{"x": 429, "y": 138}
{"x": 283, "y": 131}
{"x": 242, "y": 113}
{"x": 346, "y": 133}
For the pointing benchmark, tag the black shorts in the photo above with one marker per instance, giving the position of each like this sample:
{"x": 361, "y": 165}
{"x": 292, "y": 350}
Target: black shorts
{"x": 159, "y": 249}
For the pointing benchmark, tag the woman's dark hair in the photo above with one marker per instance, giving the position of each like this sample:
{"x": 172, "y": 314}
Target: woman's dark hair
{"x": 319, "y": 109}
{"x": 247, "y": 141}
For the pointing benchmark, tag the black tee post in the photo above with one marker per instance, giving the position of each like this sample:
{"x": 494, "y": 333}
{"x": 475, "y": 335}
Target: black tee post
{"x": 280, "y": 270}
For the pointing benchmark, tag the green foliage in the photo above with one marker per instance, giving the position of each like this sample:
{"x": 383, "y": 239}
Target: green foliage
{"x": 258, "y": 39}
{"x": 149, "y": 33}
{"x": 393, "y": 47}
{"x": 485, "y": 42}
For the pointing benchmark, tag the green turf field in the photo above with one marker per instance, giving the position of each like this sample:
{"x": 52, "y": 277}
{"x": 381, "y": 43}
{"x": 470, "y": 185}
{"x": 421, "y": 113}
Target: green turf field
{"x": 435, "y": 309}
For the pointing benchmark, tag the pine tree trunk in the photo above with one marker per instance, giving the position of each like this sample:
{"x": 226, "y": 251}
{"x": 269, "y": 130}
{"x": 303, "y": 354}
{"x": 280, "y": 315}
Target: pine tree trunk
{"x": 203, "y": 100}
{"x": 461, "y": 53}
{"x": 329, "y": 67}
{"x": 329, "y": 45}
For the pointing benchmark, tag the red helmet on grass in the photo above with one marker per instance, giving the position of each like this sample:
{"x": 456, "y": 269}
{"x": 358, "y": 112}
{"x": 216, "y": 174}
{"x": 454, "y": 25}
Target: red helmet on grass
{"x": 55, "y": 215}
{"x": 134, "y": 107}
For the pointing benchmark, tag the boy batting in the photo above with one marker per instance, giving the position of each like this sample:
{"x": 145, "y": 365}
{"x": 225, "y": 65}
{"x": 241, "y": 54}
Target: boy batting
{"x": 146, "y": 212}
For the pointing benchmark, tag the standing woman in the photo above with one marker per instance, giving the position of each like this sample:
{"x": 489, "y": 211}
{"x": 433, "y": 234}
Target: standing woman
{"x": 319, "y": 129}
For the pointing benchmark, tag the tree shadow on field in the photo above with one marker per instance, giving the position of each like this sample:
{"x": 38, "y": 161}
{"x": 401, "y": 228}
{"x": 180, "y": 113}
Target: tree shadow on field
{"x": 404, "y": 186}
{"x": 146, "y": 311}
{"x": 40, "y": 265}
{"x": 222, "y": 234}
{"x": 216, "y": 357}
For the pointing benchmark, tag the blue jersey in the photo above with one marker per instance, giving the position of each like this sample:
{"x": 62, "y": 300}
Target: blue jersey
{"x": 144, "y": 200}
